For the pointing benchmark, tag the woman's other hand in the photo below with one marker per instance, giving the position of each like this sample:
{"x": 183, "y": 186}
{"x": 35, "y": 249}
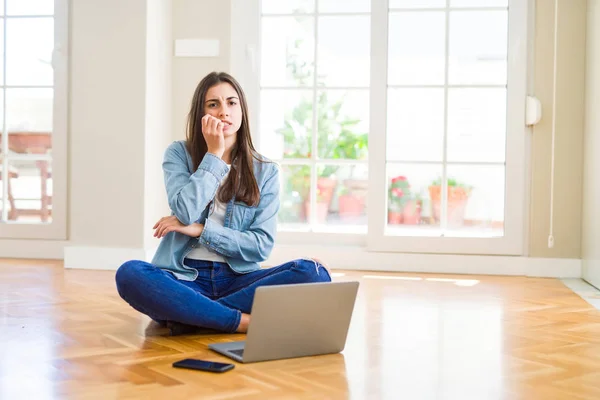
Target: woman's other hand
{"x": 212, "y": 129}
{"x": 172, "y": 224}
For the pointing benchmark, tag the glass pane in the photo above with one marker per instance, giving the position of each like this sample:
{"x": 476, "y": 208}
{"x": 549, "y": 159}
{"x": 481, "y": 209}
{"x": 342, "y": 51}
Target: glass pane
{"x": 1, "y": 7}
{"x": 476, "y": 200}
{"x": 409, "y": 209}
{"x": 29, "y": 191}
{"x": 415, "y": 127}
{"x": 417, "y": 48}
{"x": 29, "y": 110}
{"x": 295, "y": 194}
{"x": 342, "y": 195}
{"x": 29, "y": 46}
{"x": 1, "y": 116}
{"x": 477, "y": 125}
{"x": 343, "y": 124}
{"x": 478, "y": 3}
{"x": 417, "y": 3}
{"x": 478, "y": 47}
{"x": 337, "y": 6}
{"x": 287, "y": 6}
{"x": 344, "y": 62}
{"x": 286, "y": 118}
{"x": 287, "y": 58}
{"x": 1, "y": 48}
{"x": 29, "y": 7}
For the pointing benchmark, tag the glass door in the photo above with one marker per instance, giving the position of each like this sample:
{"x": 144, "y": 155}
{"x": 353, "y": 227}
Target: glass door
{"x": 448, "y": 87}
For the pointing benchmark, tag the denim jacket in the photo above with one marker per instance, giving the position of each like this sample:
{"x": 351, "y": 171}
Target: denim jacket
{"x": 247, "y": 237}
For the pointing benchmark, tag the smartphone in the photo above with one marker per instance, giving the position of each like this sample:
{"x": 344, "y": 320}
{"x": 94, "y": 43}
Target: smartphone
{"x": 202, "y": 365}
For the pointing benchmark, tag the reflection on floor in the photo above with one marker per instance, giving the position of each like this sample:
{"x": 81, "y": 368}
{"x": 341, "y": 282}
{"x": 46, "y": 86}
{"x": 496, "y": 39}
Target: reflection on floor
{"x": 586, "y": 291}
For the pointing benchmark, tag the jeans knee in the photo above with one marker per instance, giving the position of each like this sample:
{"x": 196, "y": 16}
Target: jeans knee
{"x": 313, "y": 270}
{"x": 126, "y": 274}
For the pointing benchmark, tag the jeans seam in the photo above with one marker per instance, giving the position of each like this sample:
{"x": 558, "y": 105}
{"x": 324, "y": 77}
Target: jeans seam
{"x": 212, "y": 281}
{"x": 236, "y": 321}
{"x": 229, "y": 293}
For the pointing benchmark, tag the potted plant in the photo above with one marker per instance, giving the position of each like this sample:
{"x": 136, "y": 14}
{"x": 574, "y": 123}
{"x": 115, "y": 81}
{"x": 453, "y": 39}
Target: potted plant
{"x": 404, "y": 206}
{"x": 352, "y": 198}
{"x": 337, "y": 139}
{"x": 295, "y": 187}
{"x": 458, "y": 197}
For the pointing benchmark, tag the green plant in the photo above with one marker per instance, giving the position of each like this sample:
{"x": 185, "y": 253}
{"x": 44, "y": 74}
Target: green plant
{"x": 337, "y": 138}
{"x": 452, "y": 182}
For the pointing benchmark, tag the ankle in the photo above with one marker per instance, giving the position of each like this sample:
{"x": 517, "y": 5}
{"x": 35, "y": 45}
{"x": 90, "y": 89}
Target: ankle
{"x": 244, "y": 322}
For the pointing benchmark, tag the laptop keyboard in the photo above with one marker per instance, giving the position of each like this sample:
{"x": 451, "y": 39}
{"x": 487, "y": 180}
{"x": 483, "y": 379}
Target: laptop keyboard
{"x": 239, "y": 352}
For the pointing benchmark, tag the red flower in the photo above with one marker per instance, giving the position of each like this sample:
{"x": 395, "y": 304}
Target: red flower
{"x": 398, "y": 179}
{"x": 397, "y": 192}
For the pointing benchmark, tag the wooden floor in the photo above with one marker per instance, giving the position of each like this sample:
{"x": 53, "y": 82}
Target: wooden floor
{"x": 67, "y": 334}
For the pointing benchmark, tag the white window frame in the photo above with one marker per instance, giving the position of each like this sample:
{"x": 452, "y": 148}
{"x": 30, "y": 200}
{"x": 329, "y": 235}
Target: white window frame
{"x": 245, "y": 66}
{"x": 57, "y": 228}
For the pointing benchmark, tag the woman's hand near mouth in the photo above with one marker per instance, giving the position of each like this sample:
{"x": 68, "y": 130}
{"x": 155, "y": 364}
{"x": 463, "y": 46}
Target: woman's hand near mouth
{"x": 212, "y": 129}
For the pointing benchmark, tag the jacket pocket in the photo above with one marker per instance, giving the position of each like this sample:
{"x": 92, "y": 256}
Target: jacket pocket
{"x": 243, "y": 215}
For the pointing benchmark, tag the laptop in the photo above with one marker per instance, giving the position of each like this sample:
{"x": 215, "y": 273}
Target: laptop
{"x": 295, "y": 320}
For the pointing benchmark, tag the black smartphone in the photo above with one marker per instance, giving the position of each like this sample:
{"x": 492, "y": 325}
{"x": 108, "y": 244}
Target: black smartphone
{"x": 202, "y": 365}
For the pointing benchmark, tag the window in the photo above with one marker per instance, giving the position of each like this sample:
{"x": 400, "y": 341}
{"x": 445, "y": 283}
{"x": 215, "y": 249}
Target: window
{"x": 314, "y": 113}
{"x": 398, "y": 119}
{"x": 33, "y": 116}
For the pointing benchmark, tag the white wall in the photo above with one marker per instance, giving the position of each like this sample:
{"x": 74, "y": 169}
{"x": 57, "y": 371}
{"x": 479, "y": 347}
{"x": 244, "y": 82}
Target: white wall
{"x": 591, "y": 186}
{"x": 120, "y": 125}
{"x": 107, "y": 114}
{"x": 570, "y": 89}
{"x": 201, "y": 19}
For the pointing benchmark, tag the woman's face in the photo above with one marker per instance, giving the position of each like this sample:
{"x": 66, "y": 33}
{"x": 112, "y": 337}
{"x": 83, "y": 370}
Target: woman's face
{"x": 222, "y": 102}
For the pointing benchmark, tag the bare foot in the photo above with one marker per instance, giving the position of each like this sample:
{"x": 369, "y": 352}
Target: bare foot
{"x": 244, "y": 322}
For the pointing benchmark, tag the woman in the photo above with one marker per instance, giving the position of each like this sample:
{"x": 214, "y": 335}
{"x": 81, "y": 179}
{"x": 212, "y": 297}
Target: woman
{"x": 224, "y": 199}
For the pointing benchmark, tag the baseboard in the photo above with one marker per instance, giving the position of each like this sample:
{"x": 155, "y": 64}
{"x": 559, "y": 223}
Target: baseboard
{"x": 352, "y": 258}
{"x": 103, "y": 258}
{"x": 32, "y": 249}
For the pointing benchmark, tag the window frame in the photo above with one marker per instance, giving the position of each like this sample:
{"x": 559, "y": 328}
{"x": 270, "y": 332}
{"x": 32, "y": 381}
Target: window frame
{"x": 245, "y": 65}
{"x": 57, "y": 228}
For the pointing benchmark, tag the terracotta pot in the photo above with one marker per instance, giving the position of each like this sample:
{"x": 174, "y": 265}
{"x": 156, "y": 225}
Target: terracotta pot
{"x": 395, "y": 218}
{"x": 322, "y": 211}
{"x": 455, "y": 193}
{"x": 326, "y": 186}
{"x": 412, "y": 213}
{"x": 457, "y": 203}
{"x": 351, "y": 206}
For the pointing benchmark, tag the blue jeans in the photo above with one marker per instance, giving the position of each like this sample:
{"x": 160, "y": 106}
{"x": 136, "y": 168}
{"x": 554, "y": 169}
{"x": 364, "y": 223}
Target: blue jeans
{"x": 215, "y": 299}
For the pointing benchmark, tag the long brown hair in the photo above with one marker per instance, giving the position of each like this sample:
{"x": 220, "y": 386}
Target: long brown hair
{"x": 241, "y": 182}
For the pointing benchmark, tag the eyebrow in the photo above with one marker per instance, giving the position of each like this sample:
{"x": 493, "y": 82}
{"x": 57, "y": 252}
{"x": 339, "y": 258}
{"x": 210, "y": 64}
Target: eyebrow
{"x": 229, "y": 98}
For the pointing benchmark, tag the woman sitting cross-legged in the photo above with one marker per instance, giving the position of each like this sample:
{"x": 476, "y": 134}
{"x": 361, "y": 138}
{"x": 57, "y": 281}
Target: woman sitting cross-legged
{"x": 224, "y": 199}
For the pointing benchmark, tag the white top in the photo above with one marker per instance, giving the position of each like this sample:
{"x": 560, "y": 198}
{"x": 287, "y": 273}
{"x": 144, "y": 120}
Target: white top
{"x": 216, "y": 215}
